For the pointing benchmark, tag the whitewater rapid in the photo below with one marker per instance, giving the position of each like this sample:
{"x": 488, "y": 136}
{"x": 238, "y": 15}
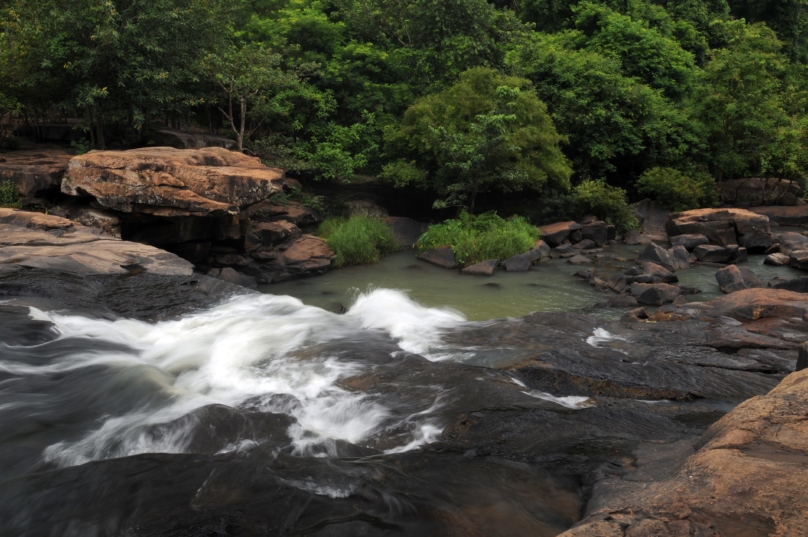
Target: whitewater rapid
{"x": 247, "y": 352}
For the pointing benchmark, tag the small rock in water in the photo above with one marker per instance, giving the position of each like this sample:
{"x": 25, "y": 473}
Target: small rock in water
{"x": 799, "y": 259}
{"x": 486, "y": 268}
{"x": 579, "y": 260}
{"x": 442, "y": 257}
{"x": 733, "y": 278}
{"x": 776, "y": 259}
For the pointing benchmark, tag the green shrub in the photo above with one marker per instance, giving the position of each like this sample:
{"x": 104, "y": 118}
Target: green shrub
{"x": 9, "y": 195}
{"x": 675, "y": 190}
{"x": 358, "y": 239}
{"x": 607, "y": 202}
{"x": 477, "y": 238}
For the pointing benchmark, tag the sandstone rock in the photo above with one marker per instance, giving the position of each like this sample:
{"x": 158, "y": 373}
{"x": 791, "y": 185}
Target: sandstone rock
{"x": 35, "y": 240}
{"x": 35, "y": 173}
{"x": 191, "y": 140}
{"x": 784, "y": 216}
{"x": 486, "y": 268}
{"x": 674, "y": 259}
{"x": 308, "y": 254}
{"x": 732, "y": 278}
{"x": 555, "y": 234}
{"x": 722, "y": 227}
{"x": 689, "y": 241}
{"x": 711, "y": 253}
{"x": 756, "y": 192}
{"x": 108, "y": 222}
{"x": 273, "y": 232}
{"x": 799, "y": 259}
{"x": 579, "y": 260}
{"x": 165, "y": 181}
{"x": 776, "y": 259}
{"x": 791, "y": 242}
{"x": 442, "y": 257}
{"x": 294, "y": 212}
{"x": 799, "y": 285}
{"x": 754, "y": 304}
{"x": 654, "y": 294}
{"x": 227, "y": 274}
{"x": 597, "y": 232}
{"x": 405, "y": 230}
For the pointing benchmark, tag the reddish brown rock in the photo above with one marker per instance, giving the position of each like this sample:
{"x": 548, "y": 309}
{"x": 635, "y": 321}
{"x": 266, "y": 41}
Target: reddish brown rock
{"x": 308, "y": 253}
{"x": 164, "y": 181}
{"x": 555, "y": 234}
{"x": 723, "y": 227}
{"x": 35, "y": 173}
{"x": 486, "y": 268}
{"x": 753, "y": 304}
{"x": 442, "y": 257}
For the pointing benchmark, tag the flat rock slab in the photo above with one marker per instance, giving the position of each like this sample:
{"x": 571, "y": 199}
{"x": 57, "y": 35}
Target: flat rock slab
{"x": 164, "y": 181}
{"x": 486, "y": 268}
{"x": 34, "y": 240}
{"x": 443, "y": 257}
{"x": 785, "y": 216}
{"x": 723, "y": 227}
{"x": 712, "y": 253}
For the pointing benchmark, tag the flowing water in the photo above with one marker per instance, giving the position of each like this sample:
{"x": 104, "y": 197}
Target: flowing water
{"x": 281, "y": 397}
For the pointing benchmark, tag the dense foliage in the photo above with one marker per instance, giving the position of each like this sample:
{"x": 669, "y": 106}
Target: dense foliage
{"x": 467, "y": 99}
{"x": 478, "y": 238}
{"x": 358, "y": 239}
{"x": 9, "y": 195}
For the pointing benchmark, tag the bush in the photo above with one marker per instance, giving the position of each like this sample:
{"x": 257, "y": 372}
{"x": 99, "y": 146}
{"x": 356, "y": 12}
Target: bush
{"x": 607, "y": 202}
{"x": 675, "y": 190}
{"x": 358, "y": 239}
{"x": 477, "y": 238}
{"x": 9, "y": 195}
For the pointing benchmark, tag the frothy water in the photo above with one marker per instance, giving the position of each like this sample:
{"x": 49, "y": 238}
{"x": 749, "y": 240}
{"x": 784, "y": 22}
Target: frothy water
{"x": 255, "y": 353}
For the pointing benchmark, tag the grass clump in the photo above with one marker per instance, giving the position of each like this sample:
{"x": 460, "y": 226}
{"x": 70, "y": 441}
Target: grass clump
{"x": 477, "y": 238}
{"x": 357, "y": 240}
{"x": 9, "y": 196}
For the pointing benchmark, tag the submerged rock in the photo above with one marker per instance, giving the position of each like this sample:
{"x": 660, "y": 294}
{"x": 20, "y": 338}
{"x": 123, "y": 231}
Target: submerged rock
{"x": 486, "y": 268}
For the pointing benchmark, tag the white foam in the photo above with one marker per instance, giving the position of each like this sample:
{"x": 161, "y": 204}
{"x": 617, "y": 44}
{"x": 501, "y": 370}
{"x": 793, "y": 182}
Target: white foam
{"x": 601, "y": 335}
{"x": 576, "y": 402}
{"x": 243, "y": 350}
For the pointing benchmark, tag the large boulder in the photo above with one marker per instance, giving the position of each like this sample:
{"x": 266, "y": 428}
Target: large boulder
{"x": 756, "y": 191}
{"x": 654, "y": 294}
{"x": 38, "y": 241}
{"x": 443, "y": 257}
{"x": 722, "y": 227}
{"x": 798, "y": 285}
{"x": 672, "y": 259}
{"x": 712, "y": 253}
{"x": 784, "y": 216}
{"x": 755, "y": 304}
{"x": 522, "y": 262}
{"x": 732, "y": 278}
{"x": 36, "y": 174}
{"x": 164, "y": 181}
{"x": 556, "y": 234}
{"x": 791, "y": 242}
{"x": 597, "y": 232}
{"x": 799, "y": 259}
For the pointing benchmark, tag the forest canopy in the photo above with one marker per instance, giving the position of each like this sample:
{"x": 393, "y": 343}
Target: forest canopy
{"x": 458, "y": 97}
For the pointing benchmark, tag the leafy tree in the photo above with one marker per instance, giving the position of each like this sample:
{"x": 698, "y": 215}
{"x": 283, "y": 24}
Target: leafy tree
{"x": 486, "y": 131}
{"x": 744, "y": 103}
{"x": 607, "y": 202}
{"x": 675, "y": 190}
{"x": 788, "y": 18}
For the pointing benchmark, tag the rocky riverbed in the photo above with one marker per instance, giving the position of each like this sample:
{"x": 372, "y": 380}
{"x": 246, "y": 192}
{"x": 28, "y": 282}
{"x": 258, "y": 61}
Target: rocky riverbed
{"x": 140, "y": 398}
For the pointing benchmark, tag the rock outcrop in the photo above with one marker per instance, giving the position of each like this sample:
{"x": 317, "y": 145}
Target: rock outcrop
{"x": 38, "y": 241}
{"x": 784, "y": 216}
{"x": 36, "y": 174}
{"x": 733, "y": 278}
{"x": 723, "y": 227}
{"x": 756, "y": 192}
{"x": 166, "y": 182}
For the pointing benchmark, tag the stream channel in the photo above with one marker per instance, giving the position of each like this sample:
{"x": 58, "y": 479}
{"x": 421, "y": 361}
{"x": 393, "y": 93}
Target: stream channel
{"x": 378, "y": 400}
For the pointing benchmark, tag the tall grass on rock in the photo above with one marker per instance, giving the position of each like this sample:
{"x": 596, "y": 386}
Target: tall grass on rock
{"x": 357, "y": 240}
{"x": 477, "y": 238}
{"x": 9, "y": 195}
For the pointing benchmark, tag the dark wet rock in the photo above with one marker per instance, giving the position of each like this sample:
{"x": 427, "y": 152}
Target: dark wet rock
{"x": 621, "y": 301}
{"x": 716, "y": 254}
{"x": 652, "y": 217}
{"x": 784, "y": 216}
{"x": 272, "y": 232}
{"x": 443, "y": 257}
{"x": 689, "y": 241}
{"x": 802, "y": 358}
{"x": 673, "y": 259}
{"x": 689, "y": 290}
{"x": 560, "y": 251}
{"x": 405, "y": 230}
{"x": 757, "y": 242}
{"x": 596, "y": 231}
{"x": 579, "y": 260}
{"x": 758, "y": 192}
{"x": 776, "y": 259}
{"x": 791, "y": 242}
{"x": 556, "y": 234}
{"x": 654, "y": 294}
{"x": 486, "y": 268}
{"x": 799, "y": 285}
{"x": 523, "y": 261}
{"x": 618, "y": 283}
{"x": 799, "y": 259}
{"x": 658, "y": 273}
{"x": 230, "y": 275}
{"x": 585, "y": 244}
{"x": 760, "y": 446}
{"x": 732, "y": 278}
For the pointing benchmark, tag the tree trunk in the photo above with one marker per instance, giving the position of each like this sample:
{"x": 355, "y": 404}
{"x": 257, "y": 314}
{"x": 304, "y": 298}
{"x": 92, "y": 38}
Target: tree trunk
{"x": 243, "y": 124}
{"x": 99, "y": 126}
